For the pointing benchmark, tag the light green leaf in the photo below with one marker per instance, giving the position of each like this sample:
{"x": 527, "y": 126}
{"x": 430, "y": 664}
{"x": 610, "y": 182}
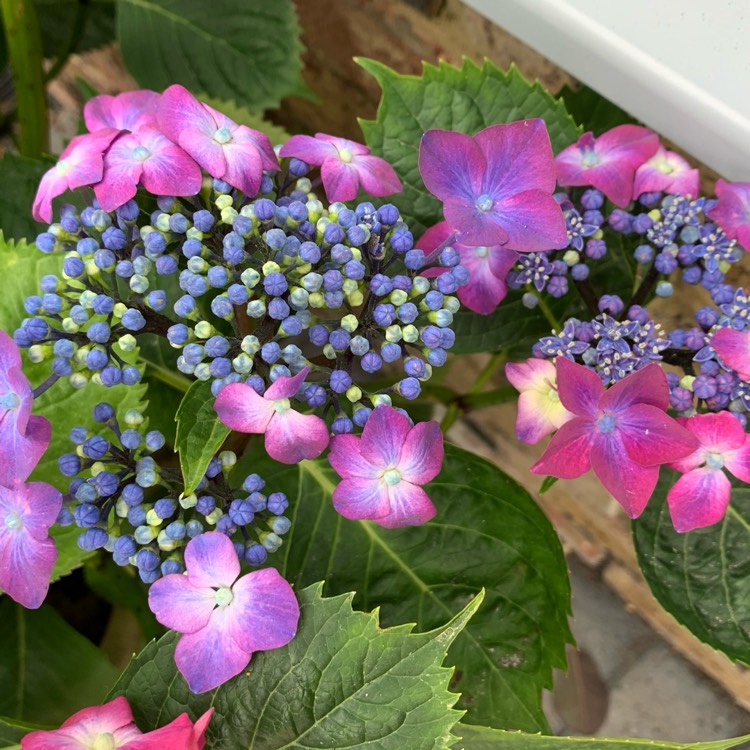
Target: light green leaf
{"x": 343, "y": 681}
{"x": 486, "y": 738}
{"x": 246, "y": 50}
{"x": 200, "y": 433}
{"x": 465, "y": 99}
{"x": 703, "y": 577}
{"x": 488, "y": 533}
{"x": 49, "y": 670}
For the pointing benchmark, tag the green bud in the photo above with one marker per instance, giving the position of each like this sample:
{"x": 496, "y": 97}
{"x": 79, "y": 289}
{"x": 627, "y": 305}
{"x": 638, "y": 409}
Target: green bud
{"x": 270, "y": 267}
{"x": 214, "y": 516}
{"x": 69, "y": 326}
{"x": 188, "y": 501}
{"x": 36, "y": 353}
{"x": 250, "y": 345}
{"x": 393, "y": 334}
{"x": 133, "y": 418}
{"x": 354, "y": 394}
{"x": 121, "y": 508}
{"x": 202, "y": 371}
{"x": 152, "y": 519}
{"x": 410, "y": 334}
{"x": 228, "y": 460}
{"x": 420, "y": 285}
{"x": 380, "y": 399}
{"x": 242, "y": 364}
{"x": 349, "y": 323}
{"x": 316, "y": 300}
{"x": 314, "y": 210}
{"x": 87, "y": 299}
{"x": 223, "y": 201}
{"x": 162, "y": 222}
{"x": 138, "y": 283}
{"x": 256, "y": 308}
{"x": 165, "y": 543}
{"x": 303, "y": 184}
{"x": 571, "y": 257}
{"x": 204, "y": 330}
{"x": 119, "y": 309}
{"x": 78, "y": 380}
{"x": 329, "y": 352}
{"x": 196, "y": 264}
{"x": 228, "y": 214}
{"x": 250, "y": 278}
{"x": 398, "y": 297}
{"x": 686, "y": 382}
{"x": 127, "y": 343}
{"x": 194, "y": 234}
{"x": 452, "y": 304}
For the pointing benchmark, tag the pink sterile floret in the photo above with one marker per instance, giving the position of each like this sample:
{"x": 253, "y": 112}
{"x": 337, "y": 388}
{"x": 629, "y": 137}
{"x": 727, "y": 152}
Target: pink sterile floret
{"x": 733, "y": 348}
{"x": 540, "y": 411}
{"x": 27, "y": 552}
{"x": 622, "y": 433}
{"x": 700, "y": 497}
{"x": 112, "y": 726}
{"x": 608, "y": 162}
{"x": 666, "y": 172}
{"x": 228, "y": 151}
{"x": 496, "y": 186}
{"x": 290, "y": 436}
{"x": 23, "y": 436}
{"x": 382, "y": 471}
{"x": 130, "y": 110}
{"x": 732, "y": 211}
{"x": 488, "y": 267}
{"x": 147, "y": 157}
{"x": 345, "y": 166}
{"x": 81, "y": 163}
{"x": 224, "y": 618}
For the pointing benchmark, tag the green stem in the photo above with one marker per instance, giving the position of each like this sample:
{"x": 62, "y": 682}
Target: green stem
{"x": 494, "y": 362}
{"x": 452, "y": 413}
{"x": 25, "y": 53}
{"x": 551, "y": 319}
{"x": 76, "y": 33}
{"x": 173, "y": 379}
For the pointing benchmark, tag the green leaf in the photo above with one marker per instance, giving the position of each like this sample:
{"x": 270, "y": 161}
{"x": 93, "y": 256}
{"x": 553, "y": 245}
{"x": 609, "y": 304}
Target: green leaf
{"x": 246, "y": 50}
{"x": 465, "y": 99}
{"x": 341, "y": 682}
{"x": 200, "y": 433}
{"x": 57, "y": 19}
{"x": 486, "y": 738}
{"x": 703, "y": 577}
{"x": 12, "y": 731}
{"x": 21, "y": 178}
{"x": 593, "y": 111}
{"x": 49, "y": 670}
{"x": 488, "y": 533}
{"x": 244, "y": 116}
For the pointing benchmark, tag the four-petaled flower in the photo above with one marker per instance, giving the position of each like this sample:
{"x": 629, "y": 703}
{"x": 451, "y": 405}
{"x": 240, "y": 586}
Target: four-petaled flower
{"x": 224, "y": 617}
{"x": 496, "y": 186}
{"x": 488, "y": 268}
{"x": 345, "y": 166}
{"x": 622, "y": 433}
{"x": 732, "y": 211}
{"x": 608, "y": 162}
{"x": 228, "y": 151}
{"x": 80, "y": 164}
{"x": 666, "y": 172}
{"x": 382, "y": 471}
{"x": 540, "y": 411}
{"x": 701, "y": 495}
{"x": 290, "y": 436}
{"x": 130, "y": 110}
{"x": 112, "y": 727}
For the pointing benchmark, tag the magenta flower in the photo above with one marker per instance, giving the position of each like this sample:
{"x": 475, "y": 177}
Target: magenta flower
{"x": 23, "y": 437}
{"x": 131, "y": 110}
{"x": 345, "y": 166}
{"x": 733, "y": 348}
{"x": 732, "y": 211}
{"x": 147, "y": 157}
{"x": 608, "y": 162}
{"x": 488, "y": 267}
{"x": 666, "y": 172}
{"x": 81, "y": 163}
{"x": 382, "y": 471}
{"x": 701, "y": 495}
{"x": 622, "y": 433}
{"x": 540, "y": 411}
{"x": 496, "y": 186}
{"x": 224, "y": 618}
{"x": 27, "y": 552}
{"x": 290, "y": 436}
{"x": 112, "y": 726}
{"x": 228, "y": 151}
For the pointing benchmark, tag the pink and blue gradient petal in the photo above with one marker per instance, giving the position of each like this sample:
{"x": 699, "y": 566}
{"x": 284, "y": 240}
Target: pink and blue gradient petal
{"x": 737, "y": 462}
{"x": 474, "y": 226}
{"x": 666, "y": 172}
{"x": 651, "y": 436}
{"x": 567, "y": 454}
{"x": 264, "y": 612}
{"x": 452, "y": 165}
{"x": 699, "y": 498}
{"x": 130, "y": 110}
{"x": 410, "y": 506}
{"x": 629, "y": 482}
{"x": 210, "y": 656}
{"x": 340, "y": 180}
{"x": 292, "y": 437}
{"x": 179, "y": 733}
{"x": 383, "y": 437}
{"x": 719, "y": 432}
{"x": 244, "y": 137}
{"x": 286, "y": 387}
{"x": 211, "y": 561}
{"x": 532, "y": 220}
{"x": 377, "y": 176}
{"x": 179, "y": 604}
{"x": 645, "y": 386}
{"x": 19, "y": 454}
{"x": 179, "y": 111}
{"x": 579, "y": 388}
{"x": 344, "y": 145}
{"x": 241, "y": 408}
{"x": 422, "y": 453}
{"x": 488, "y": 269}
{"x": 347, "y": 461}
{"x": 732, "y": 211}
{"x": 733, "y": 348}
{"x": 244, "y": 167}
{"x": 361, "y": 499}
{"x": 312, "y": 150}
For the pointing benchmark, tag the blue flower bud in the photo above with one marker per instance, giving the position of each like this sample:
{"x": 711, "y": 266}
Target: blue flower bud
{"x": 96, "y": 447}
{"x": 390, "y": 352}
{"x": 93, "y": 539}
{"x": 256, "y": 554}
{"x": 340, "y": 381}
{"x": 309, "y": 252}
{"x": 130, "y": 375}
{"x": 86, "y": 515}
{"x": 146, "y": 559}
{"x": 69, "y": 464}
{"x": 342, "y": 426}
{"x": 133, "y": 320}
{"x": 130, "y": 439}
{"x": 409, "y": 388}
{"x": 98, "y": 333}
{"x": 164, "y": 508}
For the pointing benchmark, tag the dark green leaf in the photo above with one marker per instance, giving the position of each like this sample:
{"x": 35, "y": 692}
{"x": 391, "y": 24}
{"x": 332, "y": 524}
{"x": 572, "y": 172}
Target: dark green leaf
{"x": 488, "y": 533}
{"x": 11, "y": 731}
{"x": 199, "y": 433}
{"x": 546, "y": 484}
{"x": 57, "y": 20}
{"x": 593, "y": 111}
{"x": 486, "y": 738}
{"x": 465, "y": 99}
{"x": 342, "y": 682}
{"x": 246, "y": 50}
{"x": 21, "y": 178}
{"x": 703, "y": 577}
{"x": 49, "y": 670}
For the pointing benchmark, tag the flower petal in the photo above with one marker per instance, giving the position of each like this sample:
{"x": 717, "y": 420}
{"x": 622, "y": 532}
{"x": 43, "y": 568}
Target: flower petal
{"x": 737, "y": 462}
{"x": 716, "y": 432}
{"x": 340, "y": 180}
{"x": 646, "y": 386}
{"x": 360, "y": 499}
{"x": 410, "y": 506}
{"x": 533, "y": 220}
{"x": 244, "y": 167}
{"x": 285, "y": 387}
{"x": 25, "y": 566}
{"x": 733, "y": 347}
{"x": 452, "y": 166}
{"x": 347, "y": 461}
{"x": 422, "y": 453}
{"x": 241, "y": 408}
{"x": 211, "y": 561}
{"x": 474, "y": 227}
{"x": 699, "y": 498}
{"x": 567, "y": 454}
{"x": 179, "y": 111}
{"x": 579, "y": 388}
{"x": 180, "y": 605}
{"x": 652, "y": 437}
{"x": 312, "y": 150}
{"x": 383, "y": 437}
{"x": 292, "y": 437}
{"x": 376, "y": 175}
